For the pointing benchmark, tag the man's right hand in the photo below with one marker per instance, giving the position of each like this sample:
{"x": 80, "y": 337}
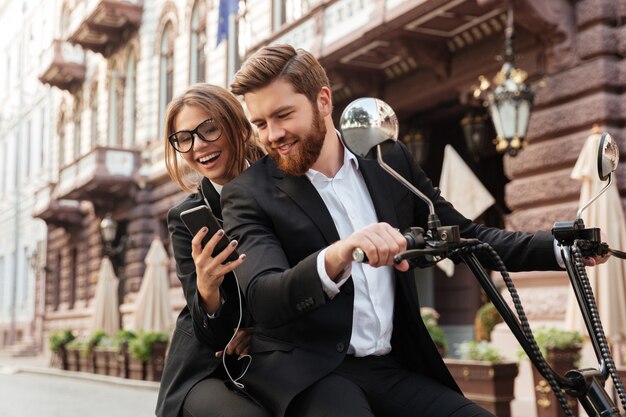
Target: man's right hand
{"x": 379, "y": 241}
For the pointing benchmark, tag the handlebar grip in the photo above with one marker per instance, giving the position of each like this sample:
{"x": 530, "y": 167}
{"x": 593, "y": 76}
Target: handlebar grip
{"x": 359, "y": 256}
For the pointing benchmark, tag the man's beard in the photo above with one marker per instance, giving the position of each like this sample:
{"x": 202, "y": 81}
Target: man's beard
{"x": 308, "y": 148}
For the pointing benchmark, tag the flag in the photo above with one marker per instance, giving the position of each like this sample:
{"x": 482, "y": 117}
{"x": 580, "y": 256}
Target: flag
{"x": 226, "y": 8}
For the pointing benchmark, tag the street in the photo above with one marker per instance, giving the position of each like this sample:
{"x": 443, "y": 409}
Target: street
{"x": 26, "y": 394}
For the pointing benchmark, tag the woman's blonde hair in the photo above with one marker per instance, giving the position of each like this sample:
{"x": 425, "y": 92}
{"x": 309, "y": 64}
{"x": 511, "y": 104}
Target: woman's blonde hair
{"x": 230, "y": 119}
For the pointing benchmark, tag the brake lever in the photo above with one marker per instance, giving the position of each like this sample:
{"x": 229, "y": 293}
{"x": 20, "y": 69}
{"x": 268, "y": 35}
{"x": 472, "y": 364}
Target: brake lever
{"x": 617, "y": 253}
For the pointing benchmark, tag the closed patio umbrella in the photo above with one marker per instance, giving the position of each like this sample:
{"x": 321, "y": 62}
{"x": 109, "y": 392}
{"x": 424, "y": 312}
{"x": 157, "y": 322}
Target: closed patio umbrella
{"x": 106, "y": 315}
{"x": 152, "y": 306}
{"x": 609, "y": 279}
{"x": 462, "y": 188}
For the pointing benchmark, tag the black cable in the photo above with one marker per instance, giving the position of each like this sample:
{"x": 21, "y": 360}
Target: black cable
{"x": 524, "y": 325}
{"x": 597, "y": 323}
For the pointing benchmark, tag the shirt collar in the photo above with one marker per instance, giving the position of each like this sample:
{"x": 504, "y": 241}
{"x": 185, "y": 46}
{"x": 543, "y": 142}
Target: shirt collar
{"x": 348, "y": 159}
{"x": 219, "y": 187}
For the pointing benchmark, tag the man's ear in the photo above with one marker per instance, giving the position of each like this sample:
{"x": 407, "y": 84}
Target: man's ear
{"x": 325, "y": 102}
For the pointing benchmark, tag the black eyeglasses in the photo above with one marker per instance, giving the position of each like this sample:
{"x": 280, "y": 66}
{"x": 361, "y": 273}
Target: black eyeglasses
{"x": 182, "y": 141}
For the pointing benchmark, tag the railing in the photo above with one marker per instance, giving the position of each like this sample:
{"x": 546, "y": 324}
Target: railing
{"x": 98, "y": 164}
{"x": 62, "y": 51}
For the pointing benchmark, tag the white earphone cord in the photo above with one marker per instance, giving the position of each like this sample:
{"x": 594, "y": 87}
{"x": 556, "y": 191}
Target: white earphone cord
{"x": 236, "y": 380}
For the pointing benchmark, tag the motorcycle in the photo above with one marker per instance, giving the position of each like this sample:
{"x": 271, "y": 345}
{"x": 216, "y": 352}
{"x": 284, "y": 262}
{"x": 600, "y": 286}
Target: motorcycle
{"x": 369, "y": 127}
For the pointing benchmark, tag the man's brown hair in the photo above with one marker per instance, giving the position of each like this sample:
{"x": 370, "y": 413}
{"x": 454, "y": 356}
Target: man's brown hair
{"x": 229, "y": 117}
{"x": 270, "y": 63}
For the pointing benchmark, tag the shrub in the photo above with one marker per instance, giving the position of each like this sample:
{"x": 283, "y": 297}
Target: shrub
{"x": 430, "y": 317}
{"x": 123, "y": 336}
{"x": 554, "y": 338}
{"x": 140, "y": 347}
{"x": 479, "y": 351}
{"x": 487, "y": 317}
{"x": 58, "y": 339}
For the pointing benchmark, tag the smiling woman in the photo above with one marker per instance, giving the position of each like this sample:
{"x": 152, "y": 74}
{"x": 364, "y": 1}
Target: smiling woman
{"x": 206, "y": 132}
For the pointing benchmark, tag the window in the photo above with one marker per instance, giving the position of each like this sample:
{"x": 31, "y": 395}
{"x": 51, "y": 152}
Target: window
{"x": 27, "y": 148}
{"x": 166, "y": 73}
{"x": 3, "y": 168}
{"x": 130, "y": 101}
{"x": 197, "y": 61}
{"x": 42, "y": 140}
{"x": 56, "y": 284}
{"x": 24, "y": 281}
{"x": 73, "y": 277}
{"x": 114, "y": 80}
{"x": 78, "y": 127}
{"x": 93, "y": 107}
{"x": 62, "y": 135}
{"x": 286, "y": 11}
{"x": 2, "y": 284}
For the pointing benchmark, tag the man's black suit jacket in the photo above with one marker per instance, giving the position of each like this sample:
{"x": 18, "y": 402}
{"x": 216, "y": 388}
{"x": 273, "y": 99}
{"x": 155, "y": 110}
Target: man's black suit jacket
{"x": 196, "y": 338}
{"x": 301, "y": 335}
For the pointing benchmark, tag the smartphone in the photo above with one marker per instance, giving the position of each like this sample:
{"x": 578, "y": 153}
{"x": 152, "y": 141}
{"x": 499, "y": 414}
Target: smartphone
{"x": 198, "y": 217}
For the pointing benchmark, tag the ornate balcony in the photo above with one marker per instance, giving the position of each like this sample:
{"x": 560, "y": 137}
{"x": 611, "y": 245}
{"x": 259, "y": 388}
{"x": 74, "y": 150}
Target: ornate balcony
{"x": 102, "y": 176}
{"x": 63, "y": 65}
{"x": 63, "y": 213}
{"x": 384, "y": 41}
{"x": 103, "y": 25}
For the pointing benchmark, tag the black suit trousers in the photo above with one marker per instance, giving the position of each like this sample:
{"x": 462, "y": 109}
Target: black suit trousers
{"x": 379, "y": 386}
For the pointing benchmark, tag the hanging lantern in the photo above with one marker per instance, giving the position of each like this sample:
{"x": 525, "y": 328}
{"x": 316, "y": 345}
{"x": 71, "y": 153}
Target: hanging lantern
{"x": 510, "y": 101}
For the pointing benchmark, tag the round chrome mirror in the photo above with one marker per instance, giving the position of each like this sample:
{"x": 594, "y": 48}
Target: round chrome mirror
{"x": 608, "y": 156}
{"x": 366, "y": 123}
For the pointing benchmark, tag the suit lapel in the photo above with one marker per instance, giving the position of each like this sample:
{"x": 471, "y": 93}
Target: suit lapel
{"x": 304, "y": 194}
{"x": 212, "y": 197}
{"x": 377, "y": 183}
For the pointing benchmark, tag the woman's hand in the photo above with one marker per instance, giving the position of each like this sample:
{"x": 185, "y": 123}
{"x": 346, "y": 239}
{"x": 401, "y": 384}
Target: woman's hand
{"x": 209, "y": 270}
{"x": 240, "y": 344}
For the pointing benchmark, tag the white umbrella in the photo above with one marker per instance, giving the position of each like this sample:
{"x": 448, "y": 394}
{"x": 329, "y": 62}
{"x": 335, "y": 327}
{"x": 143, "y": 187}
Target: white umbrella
{"x": 462, "y": 188}
{"x": 106, "y": 315}
{"x": 609, "y": 279}
{"x": 152, "y": 306}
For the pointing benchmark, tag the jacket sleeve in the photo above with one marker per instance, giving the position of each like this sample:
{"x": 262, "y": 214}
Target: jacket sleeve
{"x": 276, "y": 292}
{"x": 520, "y": 251}
{"x": 214, "y": 332}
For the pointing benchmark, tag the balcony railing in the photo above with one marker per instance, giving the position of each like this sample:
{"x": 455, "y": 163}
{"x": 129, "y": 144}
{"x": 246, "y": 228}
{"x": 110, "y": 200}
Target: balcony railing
{"x": 101, "y": 176}
{"x": 63, "y": 65}
{"x": 362, "y": 32}
{"x": 103, "y": 25}
{"x": 56, "y": 212}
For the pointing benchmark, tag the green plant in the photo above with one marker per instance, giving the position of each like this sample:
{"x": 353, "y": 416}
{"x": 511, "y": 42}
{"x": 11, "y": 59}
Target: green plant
{"x": 96, "y": 338}
{"x": 479, "y": 351}
{"x": 487, "y": 317}
{"x": 140, "y": 347}
{"x": 123, "y": 336}
{"x": 554, "y": 338}
{"x": 58, "y": 339}
{"x": 80, "y": 345}
{"x": 430, "y": 317}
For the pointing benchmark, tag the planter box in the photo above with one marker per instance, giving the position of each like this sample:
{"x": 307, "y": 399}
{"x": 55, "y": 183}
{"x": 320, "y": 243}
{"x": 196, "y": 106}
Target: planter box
{"x": 154, "y": 367}
{"x": 72, "y": 356}
{"x": 151, "y": 370}
{"x": 489, "y": 385}
{"x": 106, "y": 361}
{"x": 561, "y": 360}
{"x": 86, "y": 363}
{"x": 59, "y": 359}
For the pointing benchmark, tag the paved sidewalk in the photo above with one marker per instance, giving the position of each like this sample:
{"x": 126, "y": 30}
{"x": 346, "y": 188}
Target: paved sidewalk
{"x": 29, "y": 388}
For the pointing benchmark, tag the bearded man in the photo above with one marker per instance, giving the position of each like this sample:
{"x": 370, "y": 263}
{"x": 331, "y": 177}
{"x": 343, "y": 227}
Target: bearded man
{"x": 337, "y": 338}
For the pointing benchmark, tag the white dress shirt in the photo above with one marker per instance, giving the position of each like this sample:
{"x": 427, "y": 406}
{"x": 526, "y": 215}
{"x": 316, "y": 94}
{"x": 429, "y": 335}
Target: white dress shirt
{"x": 350, "y": 205}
